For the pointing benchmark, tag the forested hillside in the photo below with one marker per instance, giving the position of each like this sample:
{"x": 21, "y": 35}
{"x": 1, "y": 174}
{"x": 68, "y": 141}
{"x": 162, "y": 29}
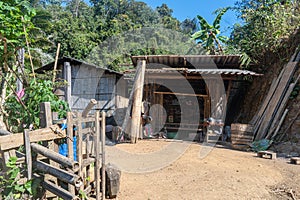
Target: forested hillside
{"x": 121, "y": 28}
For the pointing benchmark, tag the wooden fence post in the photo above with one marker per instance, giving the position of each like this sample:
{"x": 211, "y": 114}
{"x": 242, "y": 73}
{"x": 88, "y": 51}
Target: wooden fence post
{"x": 103, "y": 153}
{"x": 28, "y": 153}
{"x": 45, "y": 115}
{"x": 97, "y": 154}
{"x": 70, "y": 138}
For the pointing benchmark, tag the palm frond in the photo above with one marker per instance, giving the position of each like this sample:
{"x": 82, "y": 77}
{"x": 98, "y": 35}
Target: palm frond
{"x": 203, "y": 23}
{"x": 217, "y": 21}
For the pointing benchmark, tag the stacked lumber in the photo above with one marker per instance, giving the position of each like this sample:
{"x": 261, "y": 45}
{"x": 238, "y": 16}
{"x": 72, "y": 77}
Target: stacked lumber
{"x": 272, "y": 112}
{"x": 241, "y": 134}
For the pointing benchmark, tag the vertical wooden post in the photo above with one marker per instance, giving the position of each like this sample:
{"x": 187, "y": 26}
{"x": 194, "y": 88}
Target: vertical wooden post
{"x": 137, "y": 101}
{"x": 160, "y": 112}
{"x": 46, "y": 121}
{"x": 103, "y": 153}
{"x": 228, "y": 89}
{"x": 97, "y": 154}
{"x": 130, "y": 102}
{"x": 45, "y": 115}
{"x": 28, "y": 153}
{"x": 68, "y": 78}
{"x": 71, "y": 188}
{"x": 79, "y": 146}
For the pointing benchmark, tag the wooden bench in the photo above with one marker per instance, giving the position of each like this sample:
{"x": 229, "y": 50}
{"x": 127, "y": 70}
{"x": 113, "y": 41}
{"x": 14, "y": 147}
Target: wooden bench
{"x": 266, "y": 154}
{"x": 295, "y": 160}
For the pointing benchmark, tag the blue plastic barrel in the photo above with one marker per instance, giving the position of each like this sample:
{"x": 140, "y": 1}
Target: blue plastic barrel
{"x": 63, "y": 148}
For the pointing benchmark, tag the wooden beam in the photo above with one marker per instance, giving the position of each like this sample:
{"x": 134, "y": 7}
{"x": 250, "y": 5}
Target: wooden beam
{"x": 97, "y": 155}
{"x": 128, "y": 110}
{"x": 103, "y": 136}
{"x": 68, "y": 78}
{"x": 228, "y": 89}
{"x": 45, "y": 134}
{"x": 70, "y": 137}
{"x": 45, "y": 115}
{"x": 276, "y": 100}
{"x": 64, "y": 161}
{"x": 79, "y": 146}
{"x": 289, "y": 126}
{"x": 137, "y": 101}
{"x": 61, "y": 174}
{"x": 281, "y": 108}
{"x": 88, "y": 108}
{"x": 279, "y": 124}
{"x": 60, "y": 192}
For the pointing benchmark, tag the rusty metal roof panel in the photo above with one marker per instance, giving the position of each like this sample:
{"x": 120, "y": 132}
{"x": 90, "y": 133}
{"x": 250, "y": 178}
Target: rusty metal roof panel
{"x": 232, "y": 72}
{"x": 192, "y": 61}
{"x": 223, "y": 72}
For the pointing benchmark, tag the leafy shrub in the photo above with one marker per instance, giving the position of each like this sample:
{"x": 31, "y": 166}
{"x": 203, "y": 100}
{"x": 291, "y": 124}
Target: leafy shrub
{"x": 25, "y": 111}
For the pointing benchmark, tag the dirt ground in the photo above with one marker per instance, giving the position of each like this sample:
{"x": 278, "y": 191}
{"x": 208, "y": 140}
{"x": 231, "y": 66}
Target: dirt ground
{"x": 223, "y": 174}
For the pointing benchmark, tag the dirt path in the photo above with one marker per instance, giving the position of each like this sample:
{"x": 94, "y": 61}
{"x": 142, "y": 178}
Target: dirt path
{"x": 223, "y": 174}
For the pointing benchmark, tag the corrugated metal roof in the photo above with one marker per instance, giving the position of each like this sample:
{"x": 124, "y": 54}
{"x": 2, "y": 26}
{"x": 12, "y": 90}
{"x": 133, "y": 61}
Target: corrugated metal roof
{"x": 191, "y": 61}
{"x": 63, "y": 59}
{"x": 232, "y": 72}
{"x": 223, "y": 72}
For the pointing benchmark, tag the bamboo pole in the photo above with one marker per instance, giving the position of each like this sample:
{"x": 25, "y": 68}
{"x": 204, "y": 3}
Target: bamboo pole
{"x": 60, "y": 192}
{"x": 55, "y": 63}
{"x": 66, "y": 162}
{"x": 87, "y": 109}
{"x": 137, "y": 101}
{"x": 59, "y": 173}
{"x": 28, "y": 48}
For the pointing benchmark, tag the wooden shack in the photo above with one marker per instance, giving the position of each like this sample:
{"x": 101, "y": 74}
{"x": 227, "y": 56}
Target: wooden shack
{"x": 85, "y": 82}
{"x": 187, "y": 89}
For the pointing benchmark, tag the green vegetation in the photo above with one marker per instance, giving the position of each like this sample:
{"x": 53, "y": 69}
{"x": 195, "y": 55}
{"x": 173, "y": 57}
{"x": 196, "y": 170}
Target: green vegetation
{"x": 266, "y": 29}
{"x": 209, "y": 35}
{"x": 107, "y": 33}
{"x": 10, "y": 186}
{"x": 23, "y": 112}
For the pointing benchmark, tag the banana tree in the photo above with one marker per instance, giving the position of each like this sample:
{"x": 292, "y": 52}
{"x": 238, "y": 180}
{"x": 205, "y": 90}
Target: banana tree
{"x": 208, "y": 35}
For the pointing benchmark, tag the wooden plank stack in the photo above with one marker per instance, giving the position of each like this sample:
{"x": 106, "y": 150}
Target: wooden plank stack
{"x": 241, "y": 134}
{"x": 271, "y": 114}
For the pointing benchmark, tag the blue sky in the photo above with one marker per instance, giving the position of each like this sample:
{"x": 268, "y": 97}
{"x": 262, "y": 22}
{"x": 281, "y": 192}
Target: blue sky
{"x": 183, "y": 9}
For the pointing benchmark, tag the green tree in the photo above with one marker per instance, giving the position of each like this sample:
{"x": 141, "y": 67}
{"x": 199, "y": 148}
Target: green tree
{"x": 189, "y": 26}
{"x": 166, "y": 18}
{"x": 14, "y": 15}
{"x": 267, "y": 25}
{"x": 164, "y": 10}
{"x": 209, "y": 35}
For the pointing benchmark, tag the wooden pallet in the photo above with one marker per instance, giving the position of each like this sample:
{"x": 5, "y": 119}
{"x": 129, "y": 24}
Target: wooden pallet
{"x": 266, "y": 154}
{"x": 295, "y": 160}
